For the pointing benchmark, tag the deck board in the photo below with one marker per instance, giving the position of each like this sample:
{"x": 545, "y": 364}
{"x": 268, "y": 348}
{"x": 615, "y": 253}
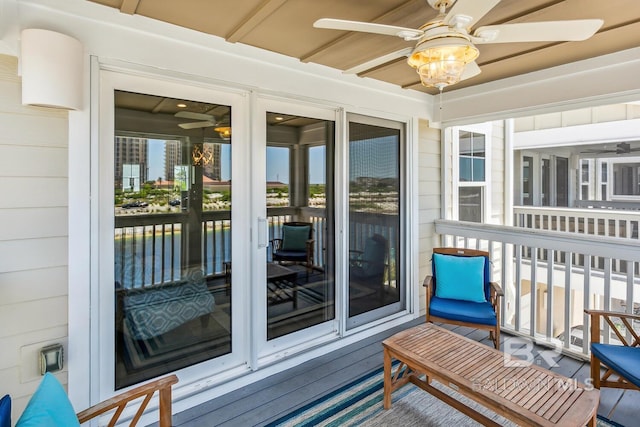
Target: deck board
{"x": 267, "y": 400}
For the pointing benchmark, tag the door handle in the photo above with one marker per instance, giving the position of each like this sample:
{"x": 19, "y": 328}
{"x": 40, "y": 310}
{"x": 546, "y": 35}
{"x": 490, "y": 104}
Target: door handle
{"x": 262, "y": 232}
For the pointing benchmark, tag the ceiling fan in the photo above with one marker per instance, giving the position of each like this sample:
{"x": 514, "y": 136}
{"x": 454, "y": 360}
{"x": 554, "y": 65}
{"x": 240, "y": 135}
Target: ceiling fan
{"x": 204, "y": 121}
{"x": 445, "y": 51}
{"x": 620, "y": 148}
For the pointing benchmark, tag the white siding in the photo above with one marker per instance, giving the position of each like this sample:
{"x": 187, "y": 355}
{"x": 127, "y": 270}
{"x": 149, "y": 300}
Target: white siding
{"x": 429, "y": 185}
{"x": 583, "y": 116}
{"x": 33, "y": 236}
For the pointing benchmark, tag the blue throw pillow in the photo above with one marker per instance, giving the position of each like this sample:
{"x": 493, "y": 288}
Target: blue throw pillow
{"x": 294, "y": 238}
{"x": 49, "y": 406}
{"x": 5, "y": 411}
{"x": 460, "y": 277}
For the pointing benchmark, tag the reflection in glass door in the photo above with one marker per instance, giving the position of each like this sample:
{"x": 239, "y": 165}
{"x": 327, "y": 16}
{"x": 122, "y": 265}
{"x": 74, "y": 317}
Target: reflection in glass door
{"x": 299, "y": 187}
{"x": 375, "y": 285}
{"x": 172, "y": 234}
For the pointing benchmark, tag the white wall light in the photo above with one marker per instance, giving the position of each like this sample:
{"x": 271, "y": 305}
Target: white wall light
{"x": 51, "y": 65}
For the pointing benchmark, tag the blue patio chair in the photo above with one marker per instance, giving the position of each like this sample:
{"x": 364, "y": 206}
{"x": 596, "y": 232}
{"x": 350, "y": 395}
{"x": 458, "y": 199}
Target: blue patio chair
{"x": 459, "y": 291}
{"x": 295, "y": 245}
{"x": 621, "y": 361}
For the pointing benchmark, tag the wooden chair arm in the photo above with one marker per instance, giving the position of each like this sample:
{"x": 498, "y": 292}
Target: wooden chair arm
{"x": 428, "y": 283}
{"x": 119, "y": 402}
{"x": 597, "y": 313}
{"x": 626, "y": 318}
{"x": 497, "y": 289}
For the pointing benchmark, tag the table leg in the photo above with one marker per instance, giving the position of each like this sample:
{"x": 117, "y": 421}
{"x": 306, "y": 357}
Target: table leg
{"x": 387, "y": 379}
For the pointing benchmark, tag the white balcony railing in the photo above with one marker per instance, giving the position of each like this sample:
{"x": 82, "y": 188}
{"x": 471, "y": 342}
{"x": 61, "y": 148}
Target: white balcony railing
{"x": 549, "y": 277}
{"x": 597, "y": 222}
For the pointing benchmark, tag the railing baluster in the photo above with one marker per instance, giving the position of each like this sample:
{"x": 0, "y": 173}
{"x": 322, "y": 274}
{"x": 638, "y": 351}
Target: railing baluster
{"x": 567, "y": 299}
{"x": 503, "y": 306}
{"x": 533, "y": 292}
{"x": 550, "y": 266}
{"x": 607, "y": 295}
{"x": 518, "y": 286}
{"x": 586, "y": 328}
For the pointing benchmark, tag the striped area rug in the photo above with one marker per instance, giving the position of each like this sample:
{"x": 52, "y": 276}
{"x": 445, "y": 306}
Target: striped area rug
{"x": 360, "y": 404}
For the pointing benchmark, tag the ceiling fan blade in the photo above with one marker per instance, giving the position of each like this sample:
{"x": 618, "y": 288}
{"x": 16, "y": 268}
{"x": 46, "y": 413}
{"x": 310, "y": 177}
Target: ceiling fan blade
{"x": 368, "y": 27}
{"x": 379, "y": 61}
{"x": 575, "y": 30}
{"x": 465, "y": 13}
{"x": 195, "y": 125}
{"x": 470, "y": 70}
{"x": 194, "y": 116}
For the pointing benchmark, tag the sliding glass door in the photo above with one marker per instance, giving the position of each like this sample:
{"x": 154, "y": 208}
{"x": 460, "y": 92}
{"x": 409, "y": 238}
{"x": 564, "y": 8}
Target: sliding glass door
{"x": 375, "y": 207}
{"x": 296, "y": 300}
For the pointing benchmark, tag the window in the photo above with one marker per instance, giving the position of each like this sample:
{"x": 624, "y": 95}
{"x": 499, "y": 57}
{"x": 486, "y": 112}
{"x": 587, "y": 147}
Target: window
{"x": 626, "y": 179}
{"x": 562, "y": 181}
{"x": 472, "y": 157}
{"x": 604, "y": 181}
{"x": 585, "y": 171}
{"x": 546, "y": 182}
{"x": 472, "y": 175}
{"x": 527, "y": 182}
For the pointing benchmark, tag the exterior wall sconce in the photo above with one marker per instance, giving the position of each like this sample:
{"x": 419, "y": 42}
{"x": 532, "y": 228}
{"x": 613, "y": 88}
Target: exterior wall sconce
{"x": 52, "y": 69}
{"x": 51, "y": 358}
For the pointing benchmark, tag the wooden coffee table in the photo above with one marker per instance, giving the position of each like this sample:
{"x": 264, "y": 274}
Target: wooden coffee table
{"x": 526, "y": 394}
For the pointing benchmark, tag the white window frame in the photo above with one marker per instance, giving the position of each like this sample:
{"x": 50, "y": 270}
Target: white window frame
{"x": 454, "y": 138}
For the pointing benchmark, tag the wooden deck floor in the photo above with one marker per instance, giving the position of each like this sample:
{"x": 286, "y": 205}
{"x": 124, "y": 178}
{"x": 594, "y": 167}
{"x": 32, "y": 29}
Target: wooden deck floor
{"x": 273, "y": 397}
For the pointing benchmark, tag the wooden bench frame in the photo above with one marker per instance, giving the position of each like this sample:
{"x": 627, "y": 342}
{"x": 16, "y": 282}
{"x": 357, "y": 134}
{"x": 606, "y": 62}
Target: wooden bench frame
{"x": 463, "y": 365}
{"x": 119, "y": 403}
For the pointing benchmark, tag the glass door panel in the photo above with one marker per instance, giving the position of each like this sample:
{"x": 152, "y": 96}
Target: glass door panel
{"x": 375, "y": 287}
{"x": 299, "y": 202}
{"x": 172, "y": 234}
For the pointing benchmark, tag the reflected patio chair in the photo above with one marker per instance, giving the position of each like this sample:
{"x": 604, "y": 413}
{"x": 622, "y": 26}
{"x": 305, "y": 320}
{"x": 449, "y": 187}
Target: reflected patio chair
{"x": 295, "y": 245}
{"x": 460, "y": 292}
{"x": 368, "y": 267}
{"x": 621, "y": 360}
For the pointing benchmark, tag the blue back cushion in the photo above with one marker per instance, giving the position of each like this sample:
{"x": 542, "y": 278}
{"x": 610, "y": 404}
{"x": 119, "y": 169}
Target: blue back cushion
{"x": 5, "y": 411}
{"x": 49, "y": 406}
{"x": 460, "y": 277}
{"x": 294, "y": 238}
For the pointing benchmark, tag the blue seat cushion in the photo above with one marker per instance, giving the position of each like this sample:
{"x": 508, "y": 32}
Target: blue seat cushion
{"x": 291, "y": 255}
{"x": 463, "y": 311}
{"x": 5, "y": 411}
{"x": 624, "y": 360}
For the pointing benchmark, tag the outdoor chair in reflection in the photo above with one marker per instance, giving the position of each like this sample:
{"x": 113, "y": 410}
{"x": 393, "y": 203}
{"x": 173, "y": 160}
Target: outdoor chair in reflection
{"x": 368, "y": 267}
{"x": 295, "y": 245}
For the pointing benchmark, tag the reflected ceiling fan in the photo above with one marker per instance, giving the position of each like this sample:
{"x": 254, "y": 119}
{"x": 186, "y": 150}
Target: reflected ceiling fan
{"x": 445, "y": 51}
{"x": 204, "y": 121}
{"x": 621, "y": 148}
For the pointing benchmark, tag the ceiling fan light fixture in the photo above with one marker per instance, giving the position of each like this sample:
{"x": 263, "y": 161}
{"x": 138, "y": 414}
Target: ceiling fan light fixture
{"x": 440, "y": 62}
{"x": 224, "y": 132}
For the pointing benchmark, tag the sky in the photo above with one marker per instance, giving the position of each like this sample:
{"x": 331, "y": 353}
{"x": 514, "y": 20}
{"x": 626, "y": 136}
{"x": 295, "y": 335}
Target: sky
{"x": 371, "y": 158}
{"x": 277, "y": 163}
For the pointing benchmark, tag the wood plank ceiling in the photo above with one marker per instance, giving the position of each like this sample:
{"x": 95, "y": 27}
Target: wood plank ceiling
{"x": 286, "y": 27}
